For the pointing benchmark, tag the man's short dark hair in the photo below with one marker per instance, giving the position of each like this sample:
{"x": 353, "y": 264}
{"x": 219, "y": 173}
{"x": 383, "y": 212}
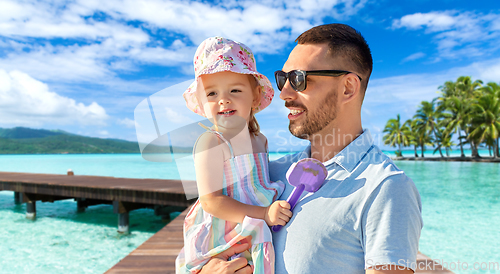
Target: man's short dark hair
{"x": 343, "y": 40}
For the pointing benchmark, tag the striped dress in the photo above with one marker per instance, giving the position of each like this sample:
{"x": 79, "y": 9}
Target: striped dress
{"x": 246, "y": 179}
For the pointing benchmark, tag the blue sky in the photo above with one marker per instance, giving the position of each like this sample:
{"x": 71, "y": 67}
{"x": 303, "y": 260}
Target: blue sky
{"x": 83, "y": 66}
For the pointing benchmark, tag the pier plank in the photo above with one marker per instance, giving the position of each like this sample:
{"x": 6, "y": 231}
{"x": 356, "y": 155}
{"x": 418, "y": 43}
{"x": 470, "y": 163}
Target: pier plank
{"x": 156, "y": 255}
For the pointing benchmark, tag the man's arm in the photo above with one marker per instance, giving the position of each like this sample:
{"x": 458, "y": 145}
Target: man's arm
{"x": 219, "y": 264}
{"x": 391, "y": 226}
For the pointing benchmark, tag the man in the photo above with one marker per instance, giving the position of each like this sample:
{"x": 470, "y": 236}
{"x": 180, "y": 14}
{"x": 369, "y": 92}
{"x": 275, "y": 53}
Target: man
{"x": 367, "y": 214}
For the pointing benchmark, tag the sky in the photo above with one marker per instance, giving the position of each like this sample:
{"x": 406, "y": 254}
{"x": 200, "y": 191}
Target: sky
{"x": 84, "y": 66}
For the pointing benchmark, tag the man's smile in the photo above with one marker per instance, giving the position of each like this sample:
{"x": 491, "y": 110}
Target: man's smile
{"x": 295, "y": 113}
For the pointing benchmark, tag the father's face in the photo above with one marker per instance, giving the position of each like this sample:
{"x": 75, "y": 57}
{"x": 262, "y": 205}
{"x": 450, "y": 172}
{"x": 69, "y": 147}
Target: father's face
{"x": 313, "y": 109}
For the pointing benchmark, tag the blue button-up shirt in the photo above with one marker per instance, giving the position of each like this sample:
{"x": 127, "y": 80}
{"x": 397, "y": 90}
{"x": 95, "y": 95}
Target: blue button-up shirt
{"x": 367, "y": 213}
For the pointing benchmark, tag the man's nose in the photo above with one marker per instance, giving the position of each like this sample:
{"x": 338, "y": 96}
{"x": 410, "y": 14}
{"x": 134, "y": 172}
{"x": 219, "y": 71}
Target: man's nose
{"x": 287, "y": 92}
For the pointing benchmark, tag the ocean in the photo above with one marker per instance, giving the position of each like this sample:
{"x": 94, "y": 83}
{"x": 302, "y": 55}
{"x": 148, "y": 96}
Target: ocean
{"x": 461, "y": 212}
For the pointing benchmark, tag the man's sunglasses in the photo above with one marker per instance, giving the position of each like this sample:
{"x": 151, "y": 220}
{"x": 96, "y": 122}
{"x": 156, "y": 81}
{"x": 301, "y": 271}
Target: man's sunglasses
{"x": 298, "y": 78}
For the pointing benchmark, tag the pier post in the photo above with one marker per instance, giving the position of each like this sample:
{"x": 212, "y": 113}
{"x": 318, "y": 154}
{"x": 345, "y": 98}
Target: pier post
{"x": 18, "y": 198}
{"x": 165, "y": 211}
{"x": 80, "y": 205}
{"x": 119, "y": 207}
{"x": 123, "y": 223}
{"x": 31, "y": 210}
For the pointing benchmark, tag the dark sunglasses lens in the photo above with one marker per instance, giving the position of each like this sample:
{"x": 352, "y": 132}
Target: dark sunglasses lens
{"x": 280, "y": 79}
{"x": 297, "y": 80}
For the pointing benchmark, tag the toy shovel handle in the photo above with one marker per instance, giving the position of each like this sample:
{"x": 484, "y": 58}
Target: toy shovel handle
{"x": 292, "y": 200}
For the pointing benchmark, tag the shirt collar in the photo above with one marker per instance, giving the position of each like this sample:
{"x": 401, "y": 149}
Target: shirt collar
{"x": 351, "y": 155}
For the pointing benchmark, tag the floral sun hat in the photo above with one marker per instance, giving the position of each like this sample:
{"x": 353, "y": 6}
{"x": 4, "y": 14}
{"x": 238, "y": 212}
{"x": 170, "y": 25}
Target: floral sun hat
{"x": 217, "y": 54}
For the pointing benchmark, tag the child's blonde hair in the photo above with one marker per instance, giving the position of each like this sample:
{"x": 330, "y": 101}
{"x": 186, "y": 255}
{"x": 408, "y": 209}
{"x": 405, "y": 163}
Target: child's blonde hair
{"x": 253, "y": 125}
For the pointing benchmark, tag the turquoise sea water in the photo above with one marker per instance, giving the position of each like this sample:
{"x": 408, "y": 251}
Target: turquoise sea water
{"x": 461, "y": 211}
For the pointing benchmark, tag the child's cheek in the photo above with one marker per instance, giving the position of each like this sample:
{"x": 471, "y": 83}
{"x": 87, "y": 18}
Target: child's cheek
{"x": 208, "y": 110}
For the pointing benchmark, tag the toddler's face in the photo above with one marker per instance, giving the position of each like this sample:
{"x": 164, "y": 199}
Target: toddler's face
{"x": 227, "y": 97}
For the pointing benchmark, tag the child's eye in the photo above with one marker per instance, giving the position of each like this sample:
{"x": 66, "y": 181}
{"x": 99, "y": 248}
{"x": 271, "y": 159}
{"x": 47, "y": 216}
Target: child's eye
{"x": 235, "y": 90}
{"x": 211, "y": 94}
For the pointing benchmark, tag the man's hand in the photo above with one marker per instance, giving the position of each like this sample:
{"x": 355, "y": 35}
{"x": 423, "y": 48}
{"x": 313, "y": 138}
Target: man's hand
{"x": 219, "y": 264}
{"x": 278, "y": 213}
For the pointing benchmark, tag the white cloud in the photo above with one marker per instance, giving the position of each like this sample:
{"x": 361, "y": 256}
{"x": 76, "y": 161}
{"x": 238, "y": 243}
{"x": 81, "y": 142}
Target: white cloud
{"x": 102, "y": 43}
{"x": 27, "y": 101}
{"x": 457, "y": 34}
{"x": 102, "y": 38}
{"x": 64, "y": 64}
{"x": 176, "y": 117}
{"x": 89, "y": 62}
{"x": 126, "y": 122}
{"x": 414, "y": 57}
{"x": 488, "y": 71}
{"x": 434, "y": 21}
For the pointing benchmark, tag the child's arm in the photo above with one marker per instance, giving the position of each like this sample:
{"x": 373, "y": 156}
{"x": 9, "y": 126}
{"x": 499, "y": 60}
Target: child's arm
{"x": 209, "y": 165}
{"x": 227, "y": 208}
{"x": 275, "y": 210}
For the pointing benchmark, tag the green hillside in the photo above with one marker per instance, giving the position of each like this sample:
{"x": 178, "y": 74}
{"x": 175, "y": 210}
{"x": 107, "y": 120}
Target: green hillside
{"x": 26, "y": 133}
{"x": 39, "y": 141}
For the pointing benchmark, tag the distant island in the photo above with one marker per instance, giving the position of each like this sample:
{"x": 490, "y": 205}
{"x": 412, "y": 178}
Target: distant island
{"x": 22, "y": 140}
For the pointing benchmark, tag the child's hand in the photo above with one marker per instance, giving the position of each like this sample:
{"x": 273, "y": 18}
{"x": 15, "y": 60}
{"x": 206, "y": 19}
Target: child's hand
{"x": 278, "y": 213}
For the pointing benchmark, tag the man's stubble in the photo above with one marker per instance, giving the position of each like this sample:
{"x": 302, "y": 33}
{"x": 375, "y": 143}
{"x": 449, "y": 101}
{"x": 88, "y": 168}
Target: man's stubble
{"x": 314, "y": 121}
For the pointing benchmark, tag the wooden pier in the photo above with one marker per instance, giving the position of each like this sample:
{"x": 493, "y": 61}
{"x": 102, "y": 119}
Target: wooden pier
{"x": 156, "y": 255}
{"x": 125, "y": 194}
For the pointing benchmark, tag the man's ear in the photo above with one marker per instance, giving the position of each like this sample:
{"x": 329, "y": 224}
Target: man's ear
{"x": 352, "y": 86}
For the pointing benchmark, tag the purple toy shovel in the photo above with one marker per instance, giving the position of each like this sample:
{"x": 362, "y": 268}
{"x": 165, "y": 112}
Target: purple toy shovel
{"x": 307, "y": 174}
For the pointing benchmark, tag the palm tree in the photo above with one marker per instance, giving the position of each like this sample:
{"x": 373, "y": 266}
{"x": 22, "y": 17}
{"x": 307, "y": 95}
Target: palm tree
{"x": 397, "y": 134}
{"x": 448, "y": 89}
{"x": 493, "y": 89}
{"x": 464, "y": 107}
{"x": 412, "y": 125}
{"x": 468, "y": 95}
{"x": 455, "y": 121}
{"x": 447, "y": 144}
{"x": 485, "y": 120}
{"x": 423, "y": 138}
{"x": 456, "y": 100}
{"x": 427, "y": 118}
{"x": 443, "y": 139}
{"x": 466, "y": 87}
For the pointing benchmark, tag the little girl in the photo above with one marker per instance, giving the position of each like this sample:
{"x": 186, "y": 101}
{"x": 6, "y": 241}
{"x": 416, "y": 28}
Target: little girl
{"x": 237, "y": 199}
